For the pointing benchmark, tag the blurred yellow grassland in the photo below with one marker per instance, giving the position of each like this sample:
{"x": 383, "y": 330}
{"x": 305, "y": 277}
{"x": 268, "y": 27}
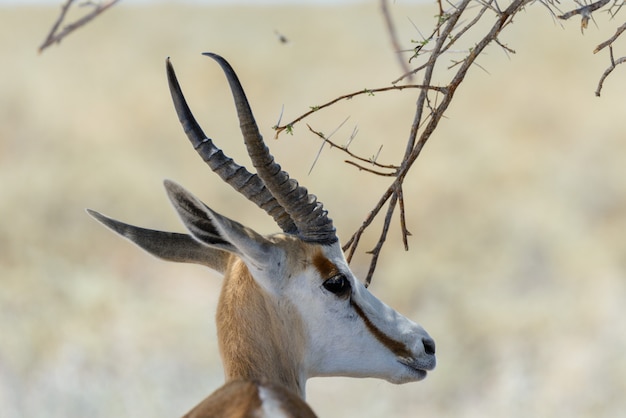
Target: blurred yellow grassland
{"x": 517, "y": 207}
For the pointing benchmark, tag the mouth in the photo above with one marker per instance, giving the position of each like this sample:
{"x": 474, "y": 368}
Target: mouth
{"x": 419, "y": 374}
{"x": 418, "y": 369}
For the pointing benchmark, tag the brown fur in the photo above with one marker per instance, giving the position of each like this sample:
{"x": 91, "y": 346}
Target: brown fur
{"x": 253, "y": 329}
{"x": 396, "y": 347}
{"x": 237, "y": 399}
{"x": 252, "y": 334}
{"x": 241, "y": 399}
{"x": 324, "y": 266}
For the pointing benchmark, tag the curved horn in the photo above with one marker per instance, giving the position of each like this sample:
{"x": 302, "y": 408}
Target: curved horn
{"x": 308, "y": 214}
{"x": 246, "y": 183}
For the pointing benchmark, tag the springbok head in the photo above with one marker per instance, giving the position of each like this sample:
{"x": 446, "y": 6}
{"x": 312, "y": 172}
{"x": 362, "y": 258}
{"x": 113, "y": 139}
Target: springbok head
{"x": 290, "y": 306}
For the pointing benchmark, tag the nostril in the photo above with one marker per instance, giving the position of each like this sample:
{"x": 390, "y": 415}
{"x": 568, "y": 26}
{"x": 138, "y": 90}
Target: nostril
{"x": 429, "y": 345}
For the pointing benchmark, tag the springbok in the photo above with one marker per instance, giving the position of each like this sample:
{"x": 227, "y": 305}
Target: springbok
{"x": 290, "y": 308}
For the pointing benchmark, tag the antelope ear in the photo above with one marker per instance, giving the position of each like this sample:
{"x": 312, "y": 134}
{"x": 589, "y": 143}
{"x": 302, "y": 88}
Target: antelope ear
{"x": 169, "y": 246}
{"x": 218, "y": 231}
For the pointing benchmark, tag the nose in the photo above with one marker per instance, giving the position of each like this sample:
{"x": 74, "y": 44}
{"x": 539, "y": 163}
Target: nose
{"x": 429, "y": 345}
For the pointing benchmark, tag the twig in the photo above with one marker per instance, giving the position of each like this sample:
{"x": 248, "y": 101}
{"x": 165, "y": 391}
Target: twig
{"x": 506, "y": 48}
{"x": 56, "y": 35}
{"x": 460, "y": 33}
{"x": 351, "y": 245}
{"x": 369, "y": 170}
{"x": 584, "y": 12}
{"x": 432, "y": 101}
{"x": 356, "y": 157}
{"x": 65, "y": 7}
{"x": 326, "y": 139}
{"x": 614, "y": 63}
{"x": 612, "y": 39}
{"x": 288, "y": 126}
{"x": 393, "y": 35}
{"x": 434, "y": 116}
{"x": 381, "y": 240}
{"x": 391, "y": 192}
{"x": 403, "y": 228}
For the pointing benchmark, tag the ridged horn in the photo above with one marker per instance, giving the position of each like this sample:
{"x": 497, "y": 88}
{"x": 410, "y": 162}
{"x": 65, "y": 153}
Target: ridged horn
{"x": 311, "y": 219}
{"x": 246, "y": 183}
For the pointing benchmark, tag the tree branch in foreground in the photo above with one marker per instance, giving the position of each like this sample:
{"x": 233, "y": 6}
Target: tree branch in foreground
{"x": 58, "y": 33}
{"x": 453, "y": 28}
{"x": 584, "y": 12}
{"x": 288, "y": 127}
{"x": 614, "y": 62}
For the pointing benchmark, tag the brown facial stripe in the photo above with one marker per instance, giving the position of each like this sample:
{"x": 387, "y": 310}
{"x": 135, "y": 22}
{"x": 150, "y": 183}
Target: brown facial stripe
{"x": 324, "y": 266}
{"x": 396, "y": 347}
{"x": 327, "y": 270}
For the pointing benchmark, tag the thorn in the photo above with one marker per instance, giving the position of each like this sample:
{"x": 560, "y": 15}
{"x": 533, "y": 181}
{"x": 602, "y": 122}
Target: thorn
{"x": 352, "y": 136}
{"x": 377, "y": 155}
{"x": 280, "y": 116}
{"x": 316, "y": 158}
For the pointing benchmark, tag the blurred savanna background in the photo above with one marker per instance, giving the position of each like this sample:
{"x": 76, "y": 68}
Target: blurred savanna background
{"x": 517, "y": 206}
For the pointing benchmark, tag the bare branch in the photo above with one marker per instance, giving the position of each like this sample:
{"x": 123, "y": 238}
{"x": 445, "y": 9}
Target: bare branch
{"x": 57, "y": 34}
{"x": 450, "y": 33}
{"x": 356, "y": 157}
{"x": 405, "y": 231}
{"x": 381, "y": 241}
{"x": 370, "y": 92}
{"x": 505, "y": 48}
{"x": 369, "y": 170}
{"x": 432, "y": 102}
{"x": 393, "y": 35}
{"x": 434, "y": 116}
{"x": 351, "y": 245}
{"x": 614, "y": 63}
{"x": 50, "y": 38}
{"x": 584, "y": 12}
{"x": 612, "y": 39}
{"x": 326, "y": 139}
{"x": 460, "y": 33}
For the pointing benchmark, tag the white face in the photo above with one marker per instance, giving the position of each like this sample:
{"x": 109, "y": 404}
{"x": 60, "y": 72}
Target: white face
{"x": 351, "y": 332}
{"x": 348, "y": 331}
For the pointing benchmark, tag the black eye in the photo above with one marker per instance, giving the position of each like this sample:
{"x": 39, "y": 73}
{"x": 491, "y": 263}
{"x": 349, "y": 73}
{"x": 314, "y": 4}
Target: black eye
{"x": 338, "y": 285}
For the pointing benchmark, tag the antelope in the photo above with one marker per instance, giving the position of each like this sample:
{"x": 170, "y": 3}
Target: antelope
{"x": 290, "y": 308}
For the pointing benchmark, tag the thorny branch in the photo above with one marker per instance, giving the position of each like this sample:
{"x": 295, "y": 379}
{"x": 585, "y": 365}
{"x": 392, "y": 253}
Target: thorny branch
{"x": 370, "y": 92}
{"x": 371, "y": 161}
{"x": 585, "y": 11}
{"x": 58, "y": 32}
{"x": 614, "y": 62}
{"x": 452, "y": 28}
{"x": 395, "y": 42}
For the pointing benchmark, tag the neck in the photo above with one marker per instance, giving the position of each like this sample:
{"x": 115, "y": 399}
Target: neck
{"x": 259, "y": 340}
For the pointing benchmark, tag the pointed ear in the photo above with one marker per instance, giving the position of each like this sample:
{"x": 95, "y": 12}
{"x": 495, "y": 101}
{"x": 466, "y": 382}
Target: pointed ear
{"x": 215, "y": 230}
{"x": 168, "y": 246}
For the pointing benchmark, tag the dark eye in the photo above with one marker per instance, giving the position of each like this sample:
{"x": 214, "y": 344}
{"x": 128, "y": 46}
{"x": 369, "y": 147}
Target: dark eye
{"x": 338, "y": 285}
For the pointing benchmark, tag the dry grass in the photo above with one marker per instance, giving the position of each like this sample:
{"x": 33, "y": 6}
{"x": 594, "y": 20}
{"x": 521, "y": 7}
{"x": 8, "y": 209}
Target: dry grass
{"x": 517, "y": 208}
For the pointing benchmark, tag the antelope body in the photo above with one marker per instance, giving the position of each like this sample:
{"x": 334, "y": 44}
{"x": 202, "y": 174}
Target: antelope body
{"x": 290, "y": 308}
